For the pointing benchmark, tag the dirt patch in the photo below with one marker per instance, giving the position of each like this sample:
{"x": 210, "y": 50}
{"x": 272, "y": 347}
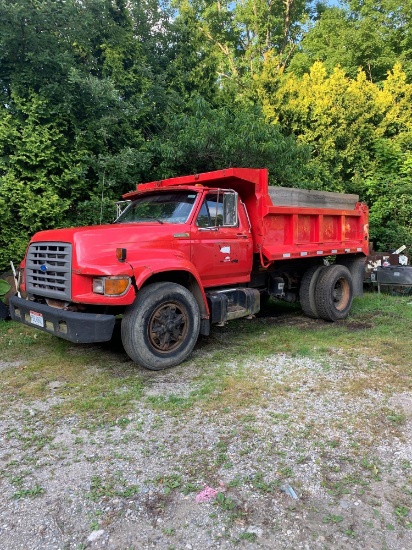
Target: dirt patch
{"x": 358, "y": 325}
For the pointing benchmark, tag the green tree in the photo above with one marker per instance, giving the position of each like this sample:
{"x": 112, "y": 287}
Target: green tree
{"x": 37, "y": 171}
{"x": 335, "y": 115}
{"x": 388, "y": 188}
{"x": 240, "y": 33}
{"x": 388, "y": 180}
{"x": 360, "y": 135}
{"x": 368, "y": 35}
{"x": 82, "y": 87}
{"x": 207, "y": 138}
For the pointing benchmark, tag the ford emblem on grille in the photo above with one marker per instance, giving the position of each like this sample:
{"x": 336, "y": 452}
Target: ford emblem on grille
{"x": 43, "y": 268}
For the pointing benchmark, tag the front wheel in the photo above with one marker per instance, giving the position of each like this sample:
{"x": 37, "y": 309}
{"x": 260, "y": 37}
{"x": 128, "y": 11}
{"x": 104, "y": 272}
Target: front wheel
{"x": 161, "y": 327}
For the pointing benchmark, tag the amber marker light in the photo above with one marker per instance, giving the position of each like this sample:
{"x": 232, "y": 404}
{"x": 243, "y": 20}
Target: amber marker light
{"x": 111, "y": 286}
{"x": 121, "y": 254}
{"x": 116, "y": 286}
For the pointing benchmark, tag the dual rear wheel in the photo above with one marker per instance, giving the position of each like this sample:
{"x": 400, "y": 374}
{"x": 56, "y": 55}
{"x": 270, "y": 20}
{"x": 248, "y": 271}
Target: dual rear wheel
{"x": 326, "y": 292}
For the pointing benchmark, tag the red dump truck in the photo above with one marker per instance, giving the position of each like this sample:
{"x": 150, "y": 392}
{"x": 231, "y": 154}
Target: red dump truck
{"x": 193, "y": 251}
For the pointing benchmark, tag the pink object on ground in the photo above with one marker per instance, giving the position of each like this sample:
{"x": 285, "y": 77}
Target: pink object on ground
{"x": 206, "y": 495}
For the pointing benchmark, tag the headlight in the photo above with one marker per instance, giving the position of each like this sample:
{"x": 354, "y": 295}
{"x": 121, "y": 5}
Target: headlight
{"x": 111, "y": 286}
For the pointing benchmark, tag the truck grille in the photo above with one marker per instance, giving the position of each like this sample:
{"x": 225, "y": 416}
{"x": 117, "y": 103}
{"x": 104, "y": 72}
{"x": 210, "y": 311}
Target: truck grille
{"x": 48, "y": 270}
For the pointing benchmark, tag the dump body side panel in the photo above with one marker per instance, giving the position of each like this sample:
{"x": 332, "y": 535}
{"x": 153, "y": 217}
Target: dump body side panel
{"x": 292, "y": 232}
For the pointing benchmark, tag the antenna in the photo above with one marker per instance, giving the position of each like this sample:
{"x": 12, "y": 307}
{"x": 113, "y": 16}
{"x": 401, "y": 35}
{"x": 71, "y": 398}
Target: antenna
{"x": 101, "y": 200}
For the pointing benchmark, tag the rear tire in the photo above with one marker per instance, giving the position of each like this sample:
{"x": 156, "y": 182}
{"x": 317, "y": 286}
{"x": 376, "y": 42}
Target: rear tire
{"x": 334, "y": 293}
{"x": 307, "y": 291}
{"x": 161, "y": 327}
{"x": 356, "y": 266}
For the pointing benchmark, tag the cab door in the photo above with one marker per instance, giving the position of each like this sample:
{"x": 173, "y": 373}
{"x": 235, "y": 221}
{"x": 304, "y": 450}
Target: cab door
{"x": 221, "y": 243}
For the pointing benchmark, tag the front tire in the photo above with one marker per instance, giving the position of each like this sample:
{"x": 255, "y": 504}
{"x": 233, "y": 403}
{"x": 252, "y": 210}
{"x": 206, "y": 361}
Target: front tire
{"x": 161, "y": 327}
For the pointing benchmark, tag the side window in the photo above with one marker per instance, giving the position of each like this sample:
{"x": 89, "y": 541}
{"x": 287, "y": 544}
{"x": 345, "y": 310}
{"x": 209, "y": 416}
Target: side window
{"x": 219, "y": 209}
{"x": 203, "y": 218}
{"x": 215, "y": 206}
{"x": 211, "y": 213}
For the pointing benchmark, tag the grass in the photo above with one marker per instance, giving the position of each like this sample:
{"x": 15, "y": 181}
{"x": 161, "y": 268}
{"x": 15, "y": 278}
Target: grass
{"x": 85, "y": 381}
{"x": 97, "y": 382}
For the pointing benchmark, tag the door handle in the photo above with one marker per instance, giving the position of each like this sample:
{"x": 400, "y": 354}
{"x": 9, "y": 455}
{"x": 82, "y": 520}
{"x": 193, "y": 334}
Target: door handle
{"x": 241, "y": 236}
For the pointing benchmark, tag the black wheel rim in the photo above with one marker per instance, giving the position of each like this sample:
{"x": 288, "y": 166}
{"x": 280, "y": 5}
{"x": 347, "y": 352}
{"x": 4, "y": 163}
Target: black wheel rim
{"x": 168, "y": 326}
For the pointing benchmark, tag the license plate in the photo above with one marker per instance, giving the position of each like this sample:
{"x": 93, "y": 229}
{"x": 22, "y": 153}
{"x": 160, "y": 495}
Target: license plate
{"x": 36, "y": 319}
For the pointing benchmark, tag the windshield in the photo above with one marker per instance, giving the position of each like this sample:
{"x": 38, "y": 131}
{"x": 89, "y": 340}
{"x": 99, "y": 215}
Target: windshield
{"x": 162, "y": 207}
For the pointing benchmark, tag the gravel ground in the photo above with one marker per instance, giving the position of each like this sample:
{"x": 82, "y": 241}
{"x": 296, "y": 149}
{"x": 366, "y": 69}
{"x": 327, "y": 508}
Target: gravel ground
{"x": 345, "y": 456}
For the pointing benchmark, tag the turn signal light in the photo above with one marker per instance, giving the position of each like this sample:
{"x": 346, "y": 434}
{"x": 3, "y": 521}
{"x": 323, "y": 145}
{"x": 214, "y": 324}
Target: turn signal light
{"x": 121, "y": 254}
{"x": 114, "y": 287}
{"x": 111, "y": 286}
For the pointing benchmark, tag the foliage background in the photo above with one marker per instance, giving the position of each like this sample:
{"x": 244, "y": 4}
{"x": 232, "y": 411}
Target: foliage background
{"x": 98, "y": 95}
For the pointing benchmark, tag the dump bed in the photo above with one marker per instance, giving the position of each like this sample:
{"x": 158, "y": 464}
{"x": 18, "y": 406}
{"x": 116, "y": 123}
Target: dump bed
{"x": 301, "y": 223}
{"x": 286, "y": 222}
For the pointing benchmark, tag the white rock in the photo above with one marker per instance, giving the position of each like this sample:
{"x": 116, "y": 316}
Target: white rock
{"x": 256, "y": 530}
{"x": 94, "y": 535}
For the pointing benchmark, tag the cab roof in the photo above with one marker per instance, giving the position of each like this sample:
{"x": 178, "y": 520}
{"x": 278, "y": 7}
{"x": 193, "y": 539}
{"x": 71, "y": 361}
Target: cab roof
{"x": 255, "y": 178}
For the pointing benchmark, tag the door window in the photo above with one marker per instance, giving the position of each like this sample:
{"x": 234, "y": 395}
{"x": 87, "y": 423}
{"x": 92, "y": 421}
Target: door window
{"x": 219, "y": 209}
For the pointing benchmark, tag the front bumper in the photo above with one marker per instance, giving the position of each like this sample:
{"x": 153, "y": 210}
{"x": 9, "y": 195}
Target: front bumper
{"x": 73, "y": 326}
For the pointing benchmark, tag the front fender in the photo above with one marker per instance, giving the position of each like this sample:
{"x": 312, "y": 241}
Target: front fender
{"x": 168, "y": 261}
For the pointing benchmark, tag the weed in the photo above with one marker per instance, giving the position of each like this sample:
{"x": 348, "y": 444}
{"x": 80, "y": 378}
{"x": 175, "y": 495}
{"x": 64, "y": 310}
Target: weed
{"x": 401, "y": 511}
{"x": 248, "y": 536}
{"x": 36, "y": 491}
{"x": 128, "y": 491}
{"x": 99, "y": 489}
{"x": 169, "y": 482}
{"x": 332, "y": 518}
{"x": 225, "y": 502}
{"x": 123, "y": 422}
{"x": 16, "y": 480}
{"x": 372, "y": 467}
{"x": 278, "y": 417}
{"x": 258, "y": 482}
{"x": 248, "y": 418}
{"x": 286, "y": 471}
{"x": 237, "y": 481}
{"x": 222, "y": 459}
{"x": 190, "y": 488}
{"x": 396, "y": 418}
